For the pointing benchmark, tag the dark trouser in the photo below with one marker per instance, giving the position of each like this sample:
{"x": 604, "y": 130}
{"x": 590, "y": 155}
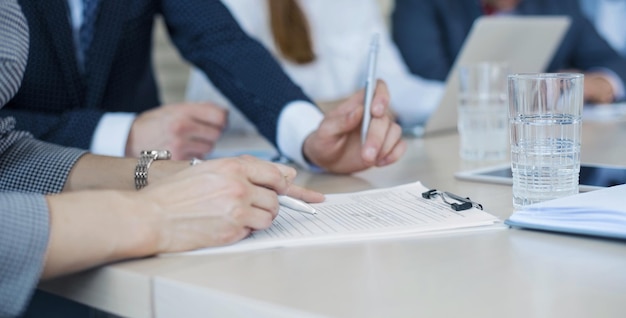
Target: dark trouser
{"x": 46, "y": 305}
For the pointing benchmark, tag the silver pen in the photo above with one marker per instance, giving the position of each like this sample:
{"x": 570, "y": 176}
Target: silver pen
{"x": 296, "y": 204}
{"x": 370, "y": 86}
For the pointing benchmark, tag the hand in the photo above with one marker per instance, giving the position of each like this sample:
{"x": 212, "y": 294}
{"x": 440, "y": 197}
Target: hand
{"x": 336, "y": 144}
{"x": 598, "y": 89}
{"x": 188, "y": 130}
{"x": 217, "y": 202}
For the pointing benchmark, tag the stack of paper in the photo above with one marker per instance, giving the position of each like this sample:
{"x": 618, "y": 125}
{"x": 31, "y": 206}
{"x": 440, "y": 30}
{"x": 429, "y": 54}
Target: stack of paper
{"x": 597, "y": 213}
{"x": 604, "y": 112}
{"x": 381, "y": 213}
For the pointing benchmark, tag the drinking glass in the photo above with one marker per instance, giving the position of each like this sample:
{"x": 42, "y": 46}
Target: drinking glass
{"x": 483, "y": 117}
{"x": 545, "y": 128}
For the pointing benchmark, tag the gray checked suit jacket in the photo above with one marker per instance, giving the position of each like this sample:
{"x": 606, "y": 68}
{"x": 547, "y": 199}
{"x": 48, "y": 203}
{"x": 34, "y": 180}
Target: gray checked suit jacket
{"x": 28, "y": 170}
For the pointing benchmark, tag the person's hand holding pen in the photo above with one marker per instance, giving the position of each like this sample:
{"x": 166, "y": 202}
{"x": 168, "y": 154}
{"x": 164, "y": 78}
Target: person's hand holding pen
{"x": 214, "y": 202}
{"x": 337, "y": 145}
{"x": 293, "y": 197}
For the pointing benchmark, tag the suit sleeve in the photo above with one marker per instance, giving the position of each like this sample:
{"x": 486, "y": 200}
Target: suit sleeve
{"x": 208, "y": 36}
{"x": 592, "y": 51}
{"x": 418, "y": 34}
{"x": 24, "y": 232}
{"x": 37, "y": 86}
{"x": 28, "y": 169}
{"x": 30, "y": 165}
{"x": 73, "y": 128}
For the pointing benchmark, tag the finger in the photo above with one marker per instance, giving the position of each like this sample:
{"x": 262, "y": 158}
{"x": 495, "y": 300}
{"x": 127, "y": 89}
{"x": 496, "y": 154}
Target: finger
{"x": 295, "y": 191}
{"x": 304, "y": 194}
{"x": 376, "y": 136}
{"x": 394, "y": 135}
{"x": 264, "y": 199}
{"x": 346, "y": 119}
{"x": 355, "y": 101}
{"x": 189, "y": 149}
{"x": 266, "y": 174}
{"x": 278, "y": 178}
{"x": 193, "y": 129}
{"x": 258, "y": 219}
{"x": 397, "y": 152}
{"x": 380, "y": 102}
{"x": 218, "y": 236}
{"x": 206, "y": 113}
{"x": 287, "y": 172}
{"x": 379, "y": 125}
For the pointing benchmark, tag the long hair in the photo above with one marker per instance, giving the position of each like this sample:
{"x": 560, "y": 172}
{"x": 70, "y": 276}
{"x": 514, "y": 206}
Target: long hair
{"x": 290, "y": 30}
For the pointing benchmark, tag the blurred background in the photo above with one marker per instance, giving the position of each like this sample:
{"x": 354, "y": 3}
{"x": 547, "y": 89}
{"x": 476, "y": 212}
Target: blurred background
{"x": 173, "y": 72}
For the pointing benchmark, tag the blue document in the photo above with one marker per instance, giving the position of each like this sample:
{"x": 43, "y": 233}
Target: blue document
{"x": 596, "y": 213}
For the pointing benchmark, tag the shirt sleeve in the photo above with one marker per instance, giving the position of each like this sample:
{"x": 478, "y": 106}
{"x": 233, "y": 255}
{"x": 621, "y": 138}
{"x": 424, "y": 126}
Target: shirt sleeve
{"x": 111, "y": 134}
{"x": 24, "y": 232}
{"x": 297, "y": 120}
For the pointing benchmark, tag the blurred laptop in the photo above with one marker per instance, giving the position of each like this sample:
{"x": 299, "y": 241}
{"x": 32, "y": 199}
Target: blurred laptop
{"x": 526, "y": 43}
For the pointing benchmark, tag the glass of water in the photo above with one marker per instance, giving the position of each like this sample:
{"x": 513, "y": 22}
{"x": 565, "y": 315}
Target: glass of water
{"x": 483, "y": 118}
{"x": 545, "y": 130}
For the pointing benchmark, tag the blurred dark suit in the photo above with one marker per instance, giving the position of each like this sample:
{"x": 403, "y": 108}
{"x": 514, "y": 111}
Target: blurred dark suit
{"x": 58, "y": 104}
{"x": 430, "y": 34}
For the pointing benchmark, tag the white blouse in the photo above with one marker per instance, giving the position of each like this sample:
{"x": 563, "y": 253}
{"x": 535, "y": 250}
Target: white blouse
{"x": 341, "y": 32}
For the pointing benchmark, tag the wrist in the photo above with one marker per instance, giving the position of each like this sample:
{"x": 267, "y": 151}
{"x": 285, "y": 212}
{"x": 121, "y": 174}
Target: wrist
{"x": 306, "y": 153}
{"x": 162, "y": 169}
{"x": 140, "y": 221}
{"x": 81, "y": 227}
{"x": 135, "y": 225}
{"x": 311, "y": 163}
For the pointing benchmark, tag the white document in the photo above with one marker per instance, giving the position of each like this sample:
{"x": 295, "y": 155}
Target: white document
{"x": 390, "y": 212}
{"x": 596, "y": 213}
{"x": 604, "y": 112}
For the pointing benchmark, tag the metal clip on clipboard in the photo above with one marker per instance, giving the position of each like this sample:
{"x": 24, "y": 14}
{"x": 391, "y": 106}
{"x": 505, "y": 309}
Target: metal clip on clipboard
{"x": 461, "y": 203}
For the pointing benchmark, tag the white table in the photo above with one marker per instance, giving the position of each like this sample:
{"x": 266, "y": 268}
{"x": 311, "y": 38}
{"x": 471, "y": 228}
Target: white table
{"x": 513, "y": 273}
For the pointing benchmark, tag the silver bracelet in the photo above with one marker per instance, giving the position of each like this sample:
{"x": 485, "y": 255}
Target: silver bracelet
{"x": 143, "y": 164}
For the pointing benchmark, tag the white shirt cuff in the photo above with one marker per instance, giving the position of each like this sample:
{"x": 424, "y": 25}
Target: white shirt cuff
{"x": 111, "y": 134}
{"x": 296, "y": 122}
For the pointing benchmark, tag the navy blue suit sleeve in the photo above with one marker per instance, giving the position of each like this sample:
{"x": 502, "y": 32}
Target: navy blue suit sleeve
{"x": 589, "y": 49}
{"x": 209, "y": 37}
{"x": 73, "y": 128}
{"x": 418, "y": 34}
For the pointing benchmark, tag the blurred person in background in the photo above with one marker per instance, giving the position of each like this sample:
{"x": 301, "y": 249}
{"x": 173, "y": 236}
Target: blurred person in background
{"x": 609, "y": 18}
{"x": 430, "y": 34}
{"x": 89, "y": 83}
{"x": 323, "y": 46}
